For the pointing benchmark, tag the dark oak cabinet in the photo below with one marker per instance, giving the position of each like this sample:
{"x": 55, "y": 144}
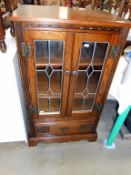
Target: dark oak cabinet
{"x": 9, "y": 6}
{"x": 67, "y": 60}
{"x": 2, "y": 35}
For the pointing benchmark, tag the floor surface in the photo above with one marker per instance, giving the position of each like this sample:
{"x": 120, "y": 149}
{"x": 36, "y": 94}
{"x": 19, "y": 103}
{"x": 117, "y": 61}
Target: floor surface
{"x": 72, "y": 158}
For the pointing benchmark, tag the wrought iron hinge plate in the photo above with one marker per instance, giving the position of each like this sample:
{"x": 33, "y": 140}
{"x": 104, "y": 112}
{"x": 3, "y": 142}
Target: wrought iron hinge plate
{"x": 115, "y": 51}
{"x": 32, "y": 109}
{"x": 26, "y": 49}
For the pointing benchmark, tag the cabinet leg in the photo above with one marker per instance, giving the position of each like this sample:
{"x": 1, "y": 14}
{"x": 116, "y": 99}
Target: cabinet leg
{"x": 32, "y": 143}
{"x": 93, "y": 137}
{"x": 3, "y": 47}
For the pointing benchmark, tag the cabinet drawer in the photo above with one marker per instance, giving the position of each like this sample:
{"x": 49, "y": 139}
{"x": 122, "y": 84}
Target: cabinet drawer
{"x": 63, "y": 128}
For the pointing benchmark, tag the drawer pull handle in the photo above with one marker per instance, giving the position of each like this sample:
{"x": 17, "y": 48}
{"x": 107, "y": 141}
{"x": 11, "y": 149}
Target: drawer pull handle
{"x": 64, "y": 130}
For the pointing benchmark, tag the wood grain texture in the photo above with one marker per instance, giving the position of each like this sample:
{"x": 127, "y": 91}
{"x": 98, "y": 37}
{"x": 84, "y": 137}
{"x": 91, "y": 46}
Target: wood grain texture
{"x": 24, "y": 78}
{"x": 2, "y": 35}
{"x": 91, "y": 137}
{"x": 63, "y": 128}
{"x": 66, "y": 37}
{"x": 66, "y": 15}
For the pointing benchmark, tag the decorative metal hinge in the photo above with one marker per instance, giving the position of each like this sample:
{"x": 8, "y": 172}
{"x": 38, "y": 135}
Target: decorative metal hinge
{"x": 32, "y": 109}
{"x": 98, "y": 106}
{"x": 26, "y": 49}
{"x": 115, "y": 51}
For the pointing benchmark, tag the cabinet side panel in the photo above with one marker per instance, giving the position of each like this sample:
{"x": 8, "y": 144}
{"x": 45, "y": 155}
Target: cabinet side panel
{"x": 121, "y": 39}
{"x": 24, "y": 78}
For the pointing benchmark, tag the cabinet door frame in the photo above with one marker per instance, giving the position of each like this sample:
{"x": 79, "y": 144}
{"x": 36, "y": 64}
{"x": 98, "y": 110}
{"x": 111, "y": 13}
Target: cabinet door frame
{"x": 29, "y": 37}
{"x": 92, "y": 36}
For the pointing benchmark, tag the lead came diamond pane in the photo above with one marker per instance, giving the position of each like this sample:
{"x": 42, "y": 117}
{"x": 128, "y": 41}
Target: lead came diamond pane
{"x": 49, "y": 71}
{"x": 89, "y": 71}
{"x": 85, "y": 93}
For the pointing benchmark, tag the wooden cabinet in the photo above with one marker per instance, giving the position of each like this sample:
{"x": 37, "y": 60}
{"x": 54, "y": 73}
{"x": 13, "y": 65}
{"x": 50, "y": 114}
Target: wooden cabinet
{"x": 11, "y": 5}
{"x": 67, "y": 60}
{"x": 7, "y": 6}
{"x": 2, "y": 35}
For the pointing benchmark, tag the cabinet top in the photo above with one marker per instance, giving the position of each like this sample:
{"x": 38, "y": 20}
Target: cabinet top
{"x": 65, "y": 15}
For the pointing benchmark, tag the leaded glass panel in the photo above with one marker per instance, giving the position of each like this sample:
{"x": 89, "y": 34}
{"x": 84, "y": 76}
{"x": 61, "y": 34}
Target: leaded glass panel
{"x": 91, "y": 62}
{"x": 49, "y": 58}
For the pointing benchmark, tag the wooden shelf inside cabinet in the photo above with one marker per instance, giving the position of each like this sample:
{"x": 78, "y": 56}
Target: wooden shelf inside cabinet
{"x": 42, "y": 62}
{"x": 57, "y": 63}
{"x": 85, "y": 62}
{"x": 49, "y": 52}
{"x": 56, "y": 96}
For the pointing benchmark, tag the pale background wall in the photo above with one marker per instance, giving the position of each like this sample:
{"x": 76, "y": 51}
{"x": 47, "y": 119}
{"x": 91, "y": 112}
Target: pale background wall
{"x": 12, "y": 111}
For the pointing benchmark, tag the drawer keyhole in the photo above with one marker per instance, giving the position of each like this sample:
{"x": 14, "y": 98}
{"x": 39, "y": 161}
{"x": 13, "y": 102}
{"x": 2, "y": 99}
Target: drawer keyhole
{"x": 64, "y": 130}
{"x": 43, "y": 129}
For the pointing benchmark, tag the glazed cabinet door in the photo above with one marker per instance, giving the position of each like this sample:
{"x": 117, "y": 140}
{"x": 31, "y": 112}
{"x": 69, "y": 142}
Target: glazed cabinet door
{"x": 48, "y": 65}
{"x": 91, "y": 67}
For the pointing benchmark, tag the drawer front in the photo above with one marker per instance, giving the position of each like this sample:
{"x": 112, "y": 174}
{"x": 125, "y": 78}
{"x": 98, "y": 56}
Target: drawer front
{"x": 60, "y": 129}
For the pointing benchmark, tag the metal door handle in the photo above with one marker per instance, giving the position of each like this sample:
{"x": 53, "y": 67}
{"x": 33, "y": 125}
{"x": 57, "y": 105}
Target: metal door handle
{"x": 67, "y": 72}
{"x": 74, "y": 72}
